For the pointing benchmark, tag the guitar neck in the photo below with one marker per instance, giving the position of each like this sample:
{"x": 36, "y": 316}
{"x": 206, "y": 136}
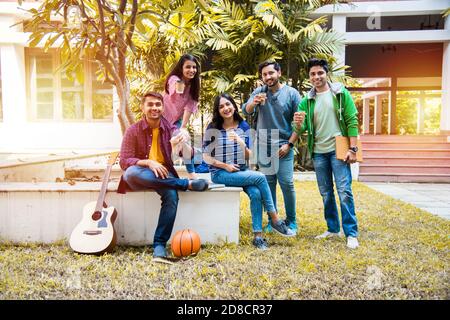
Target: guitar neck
{"x": 105, "y": 180}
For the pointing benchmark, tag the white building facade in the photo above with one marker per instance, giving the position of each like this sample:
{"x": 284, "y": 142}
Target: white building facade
{"x": 396, "y": 46}
{"x": 40, "y": 108}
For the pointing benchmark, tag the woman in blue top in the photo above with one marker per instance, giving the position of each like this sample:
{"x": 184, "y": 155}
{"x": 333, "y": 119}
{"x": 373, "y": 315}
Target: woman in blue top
{"x": 226, "y": 148}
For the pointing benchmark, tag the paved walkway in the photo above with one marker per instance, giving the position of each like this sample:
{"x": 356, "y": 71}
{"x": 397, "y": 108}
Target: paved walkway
{"x": 431, "y": 197}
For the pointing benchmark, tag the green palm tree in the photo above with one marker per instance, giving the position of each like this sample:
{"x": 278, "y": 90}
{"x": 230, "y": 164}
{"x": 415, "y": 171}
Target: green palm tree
{"x": 243, "y": 34}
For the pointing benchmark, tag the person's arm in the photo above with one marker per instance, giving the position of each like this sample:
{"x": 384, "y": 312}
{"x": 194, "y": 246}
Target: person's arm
{"x": 234, "y": 136}
{"x": 128, "y": 152}
{"x": 171, "y": 85}
{"x": 158, "y": 169}
{"x": 209, "y": 146}
{"x": 180, "y": 143}
{"x": 186, "y": 116}
{"x": 299, "y": 124}
{"x": 285, "y": 148}
{"x": 295, "y": 101}
{"x": 350, "y": 157}
{"x": 350, "y": 114}
{"x": 219, "y": 164}
{"x": 249, "y": 107}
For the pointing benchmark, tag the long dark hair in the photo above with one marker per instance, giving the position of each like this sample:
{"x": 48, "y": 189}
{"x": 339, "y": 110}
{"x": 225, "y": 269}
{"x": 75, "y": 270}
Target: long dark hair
{"x": 178, "y": 71}
{"x": 217, "y": 120}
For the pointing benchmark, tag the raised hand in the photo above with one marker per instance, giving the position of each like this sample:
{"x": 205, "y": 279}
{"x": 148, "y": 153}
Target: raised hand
{"x": 233, "y": 136}
{"x": 299, "y": 117}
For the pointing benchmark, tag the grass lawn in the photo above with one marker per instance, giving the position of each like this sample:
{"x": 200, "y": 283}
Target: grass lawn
{"x": 403, "y": 254}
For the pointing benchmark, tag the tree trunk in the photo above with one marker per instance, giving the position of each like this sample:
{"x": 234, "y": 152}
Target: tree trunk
{"x": 129, "y": 114}
{"x": 122, "y": 111}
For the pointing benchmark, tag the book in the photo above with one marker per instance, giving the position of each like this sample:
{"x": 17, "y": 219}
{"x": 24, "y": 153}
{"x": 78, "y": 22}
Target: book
{"x": 342, "y": 146}
{"x": 215, "y": 186}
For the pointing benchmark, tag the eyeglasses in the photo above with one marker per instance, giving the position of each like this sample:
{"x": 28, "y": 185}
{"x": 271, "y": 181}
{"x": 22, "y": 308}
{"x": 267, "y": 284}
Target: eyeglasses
{"x": 153, "y": 104}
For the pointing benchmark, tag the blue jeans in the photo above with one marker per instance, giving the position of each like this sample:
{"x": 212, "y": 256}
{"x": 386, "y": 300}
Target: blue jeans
{"x": 255, "y": 186}
{"x": 326, "y": 165}
{"x": 142, "y": 178}
{"x": 189, "y": 163}
{"x": 285, "y": 176}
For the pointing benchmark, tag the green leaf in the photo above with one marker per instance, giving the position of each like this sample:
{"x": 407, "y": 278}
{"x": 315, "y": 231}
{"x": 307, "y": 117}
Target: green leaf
{"x": 35, "y": 39}
{"x": 50, "y": 41}
{"x": 142, "y": 18}
{"x": 203, "y": 5}
{"x": 118, "y": 18}
{"x": 79, "y": 72}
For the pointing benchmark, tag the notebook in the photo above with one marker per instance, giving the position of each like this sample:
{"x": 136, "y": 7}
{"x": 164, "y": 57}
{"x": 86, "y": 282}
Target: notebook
{"x": 342, "y": 146}
{"x": 215, "y": 186}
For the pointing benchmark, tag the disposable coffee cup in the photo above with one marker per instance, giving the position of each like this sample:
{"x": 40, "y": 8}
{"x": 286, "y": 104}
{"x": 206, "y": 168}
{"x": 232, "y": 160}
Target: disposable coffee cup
{"x": 263, "y": 96}
{"x": 179, "y": 87}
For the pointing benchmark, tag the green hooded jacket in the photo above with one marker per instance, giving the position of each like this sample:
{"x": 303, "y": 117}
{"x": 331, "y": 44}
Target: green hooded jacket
{"x": 345, "y": 108}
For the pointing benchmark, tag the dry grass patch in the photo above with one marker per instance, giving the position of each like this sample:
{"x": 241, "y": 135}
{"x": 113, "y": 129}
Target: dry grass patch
{"x": 404, "y": 254}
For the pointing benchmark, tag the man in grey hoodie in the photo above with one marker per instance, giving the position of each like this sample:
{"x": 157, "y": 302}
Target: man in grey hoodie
{"x": 275, "y": 104}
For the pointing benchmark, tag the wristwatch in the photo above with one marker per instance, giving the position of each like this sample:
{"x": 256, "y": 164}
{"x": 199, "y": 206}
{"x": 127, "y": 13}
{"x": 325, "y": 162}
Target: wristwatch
{"x": 353, "y": 149}
{"x": 291, "y": 145}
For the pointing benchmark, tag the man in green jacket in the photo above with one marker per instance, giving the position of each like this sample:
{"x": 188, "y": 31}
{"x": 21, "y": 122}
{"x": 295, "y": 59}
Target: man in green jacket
{"x": 328, "y": 111}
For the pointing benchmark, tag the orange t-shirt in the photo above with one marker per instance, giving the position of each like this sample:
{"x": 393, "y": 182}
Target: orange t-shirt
{"x": 155, "y": 151}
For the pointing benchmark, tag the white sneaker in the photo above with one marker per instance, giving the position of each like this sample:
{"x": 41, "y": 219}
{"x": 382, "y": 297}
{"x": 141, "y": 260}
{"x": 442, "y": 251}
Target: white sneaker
{"x": 328, "y": 234}
{"x": 352, "y": 243}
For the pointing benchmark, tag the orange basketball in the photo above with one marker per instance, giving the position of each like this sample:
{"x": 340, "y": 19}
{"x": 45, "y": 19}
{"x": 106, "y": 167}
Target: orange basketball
{"x": 185, "y": 243}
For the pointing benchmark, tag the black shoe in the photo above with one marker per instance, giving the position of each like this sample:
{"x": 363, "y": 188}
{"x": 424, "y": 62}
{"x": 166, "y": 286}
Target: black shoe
{"x": 198, "y": 185}
{"x": 260, "y": 243}
{"x": 281, "y": 228}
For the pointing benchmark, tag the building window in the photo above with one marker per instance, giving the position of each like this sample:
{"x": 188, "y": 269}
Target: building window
{"x": 1, "y": 95}
{"x": 396, "y": 23}
{"x": 411, "y": 106}
{"x": 55, "y": 96}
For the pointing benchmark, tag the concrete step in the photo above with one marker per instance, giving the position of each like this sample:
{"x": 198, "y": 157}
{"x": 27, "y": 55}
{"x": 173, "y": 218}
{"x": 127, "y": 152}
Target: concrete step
{"x": 406, "y": 153}
{"x": 381, "y": 160}
{"x": 405, "y": 177}
{"x": 96, "y": 172}
{"x": 405, "y": 138}
{"x": 404, "y": 145}
{"x": 45, "y": 168}
{"x": 90, "y": 171}
{"x": 48, "y": 212}
{"x": 404, "y": 168}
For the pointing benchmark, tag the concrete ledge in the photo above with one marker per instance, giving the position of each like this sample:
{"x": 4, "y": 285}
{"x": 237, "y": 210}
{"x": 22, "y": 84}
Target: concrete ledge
{"x": 45, "y": 168}
{"x": 47, "y": 212}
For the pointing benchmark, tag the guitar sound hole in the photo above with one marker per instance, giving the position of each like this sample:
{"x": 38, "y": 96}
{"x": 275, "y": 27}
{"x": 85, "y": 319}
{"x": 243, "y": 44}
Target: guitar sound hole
{"x": 96, "y": 215}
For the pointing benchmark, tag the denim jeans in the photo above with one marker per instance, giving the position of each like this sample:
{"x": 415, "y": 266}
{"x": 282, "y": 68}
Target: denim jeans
{"x": 326, "y": 165}
{"x": 285, "y": 176}
{"x": 189, "y": 163}
{"x": 254, "y": 185}
{"x": 142, "y": 178}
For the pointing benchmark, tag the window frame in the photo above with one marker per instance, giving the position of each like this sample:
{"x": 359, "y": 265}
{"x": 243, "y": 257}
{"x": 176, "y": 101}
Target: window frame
{"x": 1, "y": 88}
{"x": 57, "y": 90}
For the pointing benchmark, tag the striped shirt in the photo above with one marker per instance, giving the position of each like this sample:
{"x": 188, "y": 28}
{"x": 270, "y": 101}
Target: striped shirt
{"x": 220, "y": 147}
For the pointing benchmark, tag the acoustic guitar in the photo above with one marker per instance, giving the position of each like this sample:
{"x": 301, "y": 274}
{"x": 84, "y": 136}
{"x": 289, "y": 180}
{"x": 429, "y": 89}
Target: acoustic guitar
{"x": 95, "y": 233}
